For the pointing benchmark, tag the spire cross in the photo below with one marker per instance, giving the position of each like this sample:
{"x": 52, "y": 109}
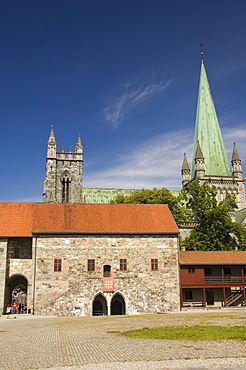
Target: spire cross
{"x": 201, "y": 52}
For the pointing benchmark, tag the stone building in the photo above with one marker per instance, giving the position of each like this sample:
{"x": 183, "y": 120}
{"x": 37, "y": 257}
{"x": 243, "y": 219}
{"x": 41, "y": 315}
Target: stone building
{"x": 89, "y": 259}
{"x": 77, "y": 258}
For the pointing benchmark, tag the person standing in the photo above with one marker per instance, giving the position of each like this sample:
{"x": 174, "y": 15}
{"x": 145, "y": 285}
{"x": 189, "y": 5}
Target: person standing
{"x": 14, "y": 310}
{"x": 8, "y": 311}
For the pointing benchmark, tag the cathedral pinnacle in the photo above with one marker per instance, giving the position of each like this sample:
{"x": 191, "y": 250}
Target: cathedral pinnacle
{"x": 52, "y": 134}
{"x": 185, "y": 171}
{"x": 199, "y": 154}
{"x": 235, "y": 155}
{"x": 79, "y": 147}
{"x": 185, "y": 165}
{"x": 51, "y": 144}
{"x": 236, "y": 163}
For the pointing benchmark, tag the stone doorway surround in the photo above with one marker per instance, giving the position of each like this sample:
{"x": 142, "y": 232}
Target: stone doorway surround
{"x": 108, "y": 304}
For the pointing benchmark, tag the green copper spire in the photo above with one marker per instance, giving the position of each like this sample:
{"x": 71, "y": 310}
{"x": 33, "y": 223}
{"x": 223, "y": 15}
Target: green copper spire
{"x": 208, "y": 134}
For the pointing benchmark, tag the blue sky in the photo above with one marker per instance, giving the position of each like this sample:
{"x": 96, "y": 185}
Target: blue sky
{"x": 124, "y": 75}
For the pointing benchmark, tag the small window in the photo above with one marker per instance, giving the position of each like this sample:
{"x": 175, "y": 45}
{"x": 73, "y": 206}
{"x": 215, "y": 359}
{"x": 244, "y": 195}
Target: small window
{"x": 57, "y": 264}
{"x": 106, "y": 270}
{"x": 123, "y": 264}
{"x": 188, "y": 295}
{"x": 227, "y": 271}
{"x": 208, "y": 271}
{"x": 91, "y": 265}
{"x": 191, "y": 270}
{"x": 17, "y": 252}
{"x": 154, "y": 264}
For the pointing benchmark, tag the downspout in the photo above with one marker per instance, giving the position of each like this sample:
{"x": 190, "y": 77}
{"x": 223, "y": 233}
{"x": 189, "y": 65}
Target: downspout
{"x": 34, "y": 273}
{"x": 179, "y": 276}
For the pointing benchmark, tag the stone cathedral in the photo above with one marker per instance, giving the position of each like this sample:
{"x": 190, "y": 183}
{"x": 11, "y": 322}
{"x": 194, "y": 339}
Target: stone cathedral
{"x": 73, "y": 255}
{"x": 63, "y": 181}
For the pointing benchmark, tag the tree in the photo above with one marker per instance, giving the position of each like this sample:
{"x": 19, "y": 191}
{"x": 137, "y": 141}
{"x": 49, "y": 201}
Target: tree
{"x": 214, "y": 228}
{"x": 158, "y": 196}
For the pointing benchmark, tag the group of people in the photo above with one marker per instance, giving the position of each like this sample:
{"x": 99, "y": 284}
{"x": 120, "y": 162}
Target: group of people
{"x": 11, "y": 310}
{"x": 18, "y": 305}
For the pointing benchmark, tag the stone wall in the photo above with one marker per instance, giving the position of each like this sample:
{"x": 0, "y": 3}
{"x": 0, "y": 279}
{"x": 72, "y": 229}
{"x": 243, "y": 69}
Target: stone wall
{"x": 3, "y": 265}
{"x": 16, "y": 266}
{"x": 72, "y": 290}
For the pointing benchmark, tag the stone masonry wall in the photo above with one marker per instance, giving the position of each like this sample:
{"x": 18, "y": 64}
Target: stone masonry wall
{"x": 72, "y": 291}
{"x": 20, "y": 264}
{"x": 3, "y": 265}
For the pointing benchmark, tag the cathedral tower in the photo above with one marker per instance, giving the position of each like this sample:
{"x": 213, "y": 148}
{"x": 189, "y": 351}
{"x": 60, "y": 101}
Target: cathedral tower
{"x": 63, "y": 180}
{"x": 210, "y": 162}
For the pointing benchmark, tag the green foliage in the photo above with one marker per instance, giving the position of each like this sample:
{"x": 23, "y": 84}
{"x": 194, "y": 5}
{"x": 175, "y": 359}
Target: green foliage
{"x": 192, "y": 333}
{"x": 215, "y": 229}
{"x": 158, "y": 196}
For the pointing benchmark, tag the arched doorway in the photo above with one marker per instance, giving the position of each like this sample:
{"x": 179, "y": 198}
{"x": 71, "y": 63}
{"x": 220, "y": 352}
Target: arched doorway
{"x": 118, "y": 306}
{"x": 16, "y": 291}
{"x": 99, "y": 306}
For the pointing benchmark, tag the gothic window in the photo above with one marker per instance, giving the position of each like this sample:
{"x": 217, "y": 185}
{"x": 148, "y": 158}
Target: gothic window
{"x": 65, "y": 191}
{"x": 106, "y": 271}
{"x": 154, "y": 264}
{"x": 57, "y": 264}
{"x": 91, "y": 265}
{"x": 123, "y": 264}
{"x": 66, "y": 180}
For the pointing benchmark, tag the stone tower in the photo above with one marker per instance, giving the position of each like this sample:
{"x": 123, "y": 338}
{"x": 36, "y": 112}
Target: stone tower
{"x": 63, "y": 180}
{"x": 210, "y": 162}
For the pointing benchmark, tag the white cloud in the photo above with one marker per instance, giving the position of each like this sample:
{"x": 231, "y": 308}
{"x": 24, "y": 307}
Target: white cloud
{"x": 154, "y": 163}
{"x": 157, "y": 162}
{"x": 134, "y": 94}
{"x": 236, "y": 135}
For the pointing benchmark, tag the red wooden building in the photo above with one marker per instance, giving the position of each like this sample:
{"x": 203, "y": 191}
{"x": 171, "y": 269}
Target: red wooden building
{"x": 216, "y": 278}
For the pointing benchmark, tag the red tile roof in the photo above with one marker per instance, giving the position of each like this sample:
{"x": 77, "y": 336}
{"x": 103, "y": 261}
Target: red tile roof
{"x": 24, "y": 219}
{"x": 103, "y": 219}
{"x": 213, "y": 257}
{"x": 16, "y": 219}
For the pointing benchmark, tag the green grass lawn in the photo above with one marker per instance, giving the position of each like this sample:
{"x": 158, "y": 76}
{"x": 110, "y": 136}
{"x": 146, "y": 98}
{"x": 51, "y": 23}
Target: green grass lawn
{"x": 192, "y": 333}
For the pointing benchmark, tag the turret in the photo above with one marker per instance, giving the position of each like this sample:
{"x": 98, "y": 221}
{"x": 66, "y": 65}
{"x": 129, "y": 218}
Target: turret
{"x": 236, "y": 163}
{"x": 51, "y": 144}
{"x": 199, "y": 162}
{"x": 79, "y": 147}
{"x": 185, "y": 172}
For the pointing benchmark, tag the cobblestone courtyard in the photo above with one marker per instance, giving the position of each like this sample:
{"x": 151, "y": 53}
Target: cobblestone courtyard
{"x": 34, "y": 342}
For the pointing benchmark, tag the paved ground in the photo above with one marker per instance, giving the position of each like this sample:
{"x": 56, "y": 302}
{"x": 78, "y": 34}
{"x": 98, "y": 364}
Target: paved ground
{"x": 34, "y": 342}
